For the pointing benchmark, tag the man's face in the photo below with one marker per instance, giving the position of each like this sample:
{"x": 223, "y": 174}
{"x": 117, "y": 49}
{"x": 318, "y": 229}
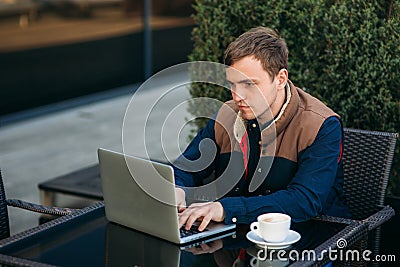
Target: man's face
{"x": 253, "y": 89}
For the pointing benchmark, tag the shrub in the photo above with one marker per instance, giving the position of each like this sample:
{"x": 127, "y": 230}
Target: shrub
{"x": 346, "y": 53}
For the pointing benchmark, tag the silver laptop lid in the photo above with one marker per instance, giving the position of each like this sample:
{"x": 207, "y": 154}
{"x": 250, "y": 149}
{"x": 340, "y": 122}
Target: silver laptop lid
{"x": 128, "y": 204}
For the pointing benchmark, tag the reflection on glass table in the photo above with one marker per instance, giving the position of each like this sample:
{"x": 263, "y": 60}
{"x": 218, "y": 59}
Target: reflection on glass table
{"x": 88, "y": 239}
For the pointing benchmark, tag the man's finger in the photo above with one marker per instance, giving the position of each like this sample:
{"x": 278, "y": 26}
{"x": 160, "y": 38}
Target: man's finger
{"x": 206, "y": 220}
{"x": 181, "y": 208}
{"x": 182, "y": 218}
{"x": 191, "y": 219}
{"x": 205, "y": 247}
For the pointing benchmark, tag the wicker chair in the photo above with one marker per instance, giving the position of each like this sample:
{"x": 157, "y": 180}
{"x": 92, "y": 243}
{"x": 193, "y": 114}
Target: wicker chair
{"x": 367, "y": 160}
{"x": 4, "y": 203}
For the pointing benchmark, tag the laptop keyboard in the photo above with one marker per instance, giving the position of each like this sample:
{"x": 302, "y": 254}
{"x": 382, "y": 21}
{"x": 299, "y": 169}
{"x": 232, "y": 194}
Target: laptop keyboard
{"x": 193, "y": 230}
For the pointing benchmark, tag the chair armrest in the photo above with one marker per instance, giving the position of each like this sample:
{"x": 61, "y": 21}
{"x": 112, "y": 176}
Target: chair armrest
{"x": 39, "y": 208}
{"x": 333, "y": 219}
{"x": 379, "y": 217}
{"x": 373, "y": 221}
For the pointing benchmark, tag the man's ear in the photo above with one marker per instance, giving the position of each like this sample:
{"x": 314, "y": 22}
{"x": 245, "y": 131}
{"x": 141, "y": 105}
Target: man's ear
{"x": 282, "y": 78}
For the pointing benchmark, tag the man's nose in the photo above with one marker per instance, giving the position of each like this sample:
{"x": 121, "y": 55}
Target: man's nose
{"x": 237, "y": 96}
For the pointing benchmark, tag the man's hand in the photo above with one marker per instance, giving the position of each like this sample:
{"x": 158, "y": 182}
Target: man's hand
{"x": 207, "y": 247}
{"x": 201, "y": 211}
{"x": 180, "y": 199}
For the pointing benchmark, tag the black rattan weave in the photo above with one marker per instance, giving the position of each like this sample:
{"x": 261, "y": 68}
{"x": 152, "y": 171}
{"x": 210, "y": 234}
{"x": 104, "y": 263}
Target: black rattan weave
{"x": 4, "y": 223}
{"x": 6, "y": 260}
{"x": 9, "y": 261}
{"x": 4, "y": 202}
{"x": 355, "y": 235}
{"x": 367, "y": 159}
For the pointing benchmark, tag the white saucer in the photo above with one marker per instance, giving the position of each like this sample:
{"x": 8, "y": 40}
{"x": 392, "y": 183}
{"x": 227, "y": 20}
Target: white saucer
{"x": 292, "y": 238}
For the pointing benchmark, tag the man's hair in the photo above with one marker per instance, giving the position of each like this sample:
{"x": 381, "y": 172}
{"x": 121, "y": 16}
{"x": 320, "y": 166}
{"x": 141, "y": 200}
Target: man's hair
{"x": 265, "y": 45}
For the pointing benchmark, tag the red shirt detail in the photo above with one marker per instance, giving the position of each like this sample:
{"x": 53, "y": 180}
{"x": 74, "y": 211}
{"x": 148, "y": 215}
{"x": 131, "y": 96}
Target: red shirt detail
{"x": 244, "y": 146}
{"x": 242, "y": 254}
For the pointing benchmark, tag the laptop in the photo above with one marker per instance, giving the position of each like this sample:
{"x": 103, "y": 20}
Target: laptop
{"x": 129, "y": 204}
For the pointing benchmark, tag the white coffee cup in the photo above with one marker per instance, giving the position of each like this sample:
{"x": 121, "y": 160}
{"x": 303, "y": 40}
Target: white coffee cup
{"x": 272, "y": 227}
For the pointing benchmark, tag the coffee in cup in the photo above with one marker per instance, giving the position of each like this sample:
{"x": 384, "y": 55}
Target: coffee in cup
{"x": 272, "y": 227}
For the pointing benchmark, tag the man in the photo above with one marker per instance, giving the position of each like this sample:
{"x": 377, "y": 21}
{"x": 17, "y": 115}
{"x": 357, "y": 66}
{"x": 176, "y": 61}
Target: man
{"x": 288, "y": 138}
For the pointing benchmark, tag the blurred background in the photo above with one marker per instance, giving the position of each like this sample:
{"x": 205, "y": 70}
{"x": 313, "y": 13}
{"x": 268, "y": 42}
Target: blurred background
{"x": 68, "y": 69}
{"x": 52, "y": 50}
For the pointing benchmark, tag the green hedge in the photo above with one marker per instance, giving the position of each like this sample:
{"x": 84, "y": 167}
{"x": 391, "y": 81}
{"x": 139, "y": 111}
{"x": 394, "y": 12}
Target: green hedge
{"x": 347, "y": 53}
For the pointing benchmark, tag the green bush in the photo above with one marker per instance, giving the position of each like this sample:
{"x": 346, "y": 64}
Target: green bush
{"x": 346, "y": 53}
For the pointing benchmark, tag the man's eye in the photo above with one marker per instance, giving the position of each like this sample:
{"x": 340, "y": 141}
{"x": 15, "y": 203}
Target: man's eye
{"x": 249, "y": 84}
{"x": 229, "y": 84}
